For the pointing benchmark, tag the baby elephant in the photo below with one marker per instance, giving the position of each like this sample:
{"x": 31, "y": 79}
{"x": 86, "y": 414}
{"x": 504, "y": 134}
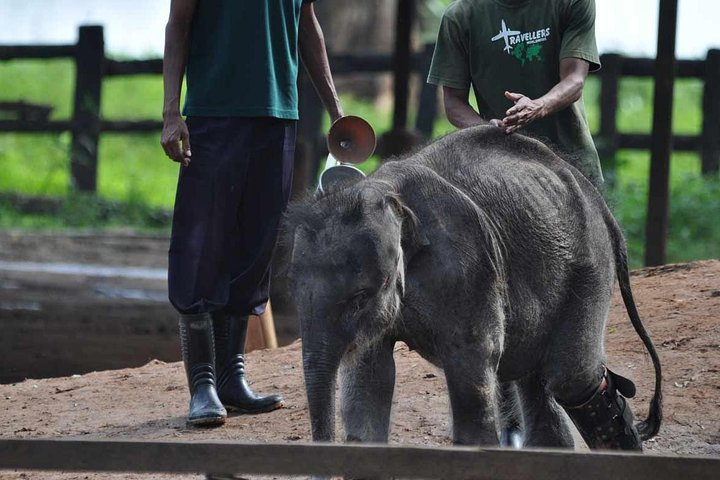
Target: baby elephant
{"x": 495, "y": 260}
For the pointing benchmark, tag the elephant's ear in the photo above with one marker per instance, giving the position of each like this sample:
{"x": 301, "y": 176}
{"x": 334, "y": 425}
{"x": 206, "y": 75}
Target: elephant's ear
{"x": 413, "y": 237}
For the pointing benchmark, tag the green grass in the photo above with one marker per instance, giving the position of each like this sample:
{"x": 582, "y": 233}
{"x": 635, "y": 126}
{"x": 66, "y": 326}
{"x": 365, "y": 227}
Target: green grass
{"x": 39, "y": 81}
{"x": 135, "y": 179}
{"x": 693, "y": 231}
{"x": 86, "y": 212}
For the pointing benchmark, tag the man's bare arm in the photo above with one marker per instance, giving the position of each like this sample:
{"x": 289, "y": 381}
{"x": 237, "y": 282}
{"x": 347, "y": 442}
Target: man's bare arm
{"x": 459, "y": 111}
{"x": 175, "y": 136}
{"x": 311, "y": 43}
{"x": 573, "y": 73}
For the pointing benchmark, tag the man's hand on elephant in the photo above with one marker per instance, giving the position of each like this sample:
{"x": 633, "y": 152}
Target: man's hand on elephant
{"x": 176, "y": 140}
{"x": 496, "y": 123}
{"x": 525, "y": 111}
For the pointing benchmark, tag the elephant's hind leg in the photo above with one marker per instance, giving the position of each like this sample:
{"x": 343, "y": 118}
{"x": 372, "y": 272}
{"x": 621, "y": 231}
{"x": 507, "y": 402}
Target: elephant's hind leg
{"x": 573, "y": 365}
{"x": 576, "y": 374}
{"x": 545, "y": 422}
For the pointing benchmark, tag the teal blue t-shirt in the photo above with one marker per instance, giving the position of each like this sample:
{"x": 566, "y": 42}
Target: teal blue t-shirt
{"x": 243, "y": 59}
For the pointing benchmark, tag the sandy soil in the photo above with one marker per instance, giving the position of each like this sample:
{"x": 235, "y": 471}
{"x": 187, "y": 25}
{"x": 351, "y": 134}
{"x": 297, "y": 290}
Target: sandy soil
{"x": 679, "y": 305}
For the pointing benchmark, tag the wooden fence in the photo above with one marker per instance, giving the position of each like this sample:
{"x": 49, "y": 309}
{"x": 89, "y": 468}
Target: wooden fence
{"x": 92, "y": 66}
{"x": 609, "y": 140}
{"x": 352, "y": 461}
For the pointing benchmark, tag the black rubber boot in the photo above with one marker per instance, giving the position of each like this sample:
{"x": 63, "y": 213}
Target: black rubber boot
{"x": 233, "y": 389}
{"x": 605, "y": 421}
{"x": 196, "y": 339}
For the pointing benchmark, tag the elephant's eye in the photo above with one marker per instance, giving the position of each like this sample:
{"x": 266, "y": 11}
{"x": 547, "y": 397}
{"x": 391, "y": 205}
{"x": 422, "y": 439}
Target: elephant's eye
{"x": 359, "y": 297}
{"x": 361, "y": 294}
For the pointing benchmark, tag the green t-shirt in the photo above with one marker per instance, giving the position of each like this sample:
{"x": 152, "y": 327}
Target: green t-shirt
{"x": 243, "y": 59}
{"x": 517, "y": 45}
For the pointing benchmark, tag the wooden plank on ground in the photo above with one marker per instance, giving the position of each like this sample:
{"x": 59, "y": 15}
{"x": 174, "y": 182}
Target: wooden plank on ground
{"x": 358, "y": 461}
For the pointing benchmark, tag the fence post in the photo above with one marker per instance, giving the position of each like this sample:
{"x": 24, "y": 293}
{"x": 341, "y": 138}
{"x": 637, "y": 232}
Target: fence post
{"x": 427, "y": 110}
{"x": 406, "y": 15}
{"x": 711, "y": 114}
{"x": 656, "y": 228}
{"x": 86, "y": 110}
{"x": 609, "y": 88}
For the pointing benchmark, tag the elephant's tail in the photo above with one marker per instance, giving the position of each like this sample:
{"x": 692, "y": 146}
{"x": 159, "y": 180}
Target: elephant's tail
{"x": 650, "y": 426}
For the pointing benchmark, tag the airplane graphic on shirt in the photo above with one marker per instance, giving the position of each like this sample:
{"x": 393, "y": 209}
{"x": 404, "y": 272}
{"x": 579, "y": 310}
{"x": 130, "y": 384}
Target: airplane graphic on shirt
{"x": 505, "y": 34}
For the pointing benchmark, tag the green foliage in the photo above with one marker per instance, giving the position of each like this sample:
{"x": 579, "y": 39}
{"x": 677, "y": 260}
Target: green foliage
{"x": 693, "y": 231}
{"x": 132, "y": 98}
{"x": 85, "y": 212}
{"x": 34, "y": 164}
{"x": 48, "y": 82}
{"x": 132, "y": 167}
{"x": 430, "y": 14}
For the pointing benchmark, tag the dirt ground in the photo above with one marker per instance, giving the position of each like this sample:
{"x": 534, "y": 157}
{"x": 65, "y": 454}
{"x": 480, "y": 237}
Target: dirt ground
{"x": 678, "y": 303}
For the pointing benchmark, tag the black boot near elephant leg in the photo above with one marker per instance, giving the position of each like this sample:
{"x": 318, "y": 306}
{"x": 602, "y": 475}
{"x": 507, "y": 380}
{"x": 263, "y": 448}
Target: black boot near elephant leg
{"x": 196, "y": 339}
{"x": 233, "y": 389}
{"x": 605, "y": 420}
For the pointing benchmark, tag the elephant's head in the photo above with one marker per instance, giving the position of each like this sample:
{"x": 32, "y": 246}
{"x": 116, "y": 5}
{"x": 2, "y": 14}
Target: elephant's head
{"x": 347, "y": 278}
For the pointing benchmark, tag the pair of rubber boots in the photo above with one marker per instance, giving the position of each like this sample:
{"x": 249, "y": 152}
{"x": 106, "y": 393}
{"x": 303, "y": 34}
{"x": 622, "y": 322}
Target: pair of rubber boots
{"x": 213, "y": 349}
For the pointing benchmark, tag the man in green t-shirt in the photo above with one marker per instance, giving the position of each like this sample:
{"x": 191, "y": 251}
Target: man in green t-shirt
{"x": 240, "y": 59}
{"x": 527, "y": 61}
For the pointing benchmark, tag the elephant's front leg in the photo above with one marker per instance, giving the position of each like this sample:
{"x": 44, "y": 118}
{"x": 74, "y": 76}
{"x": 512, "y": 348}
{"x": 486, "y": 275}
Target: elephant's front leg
{"x": 473, "y": 389}
{"x": 368, "y": 381}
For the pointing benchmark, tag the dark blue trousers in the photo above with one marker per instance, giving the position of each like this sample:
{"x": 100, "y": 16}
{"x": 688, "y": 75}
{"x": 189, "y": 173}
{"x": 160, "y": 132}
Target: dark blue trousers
{"x": 228, "y": 207}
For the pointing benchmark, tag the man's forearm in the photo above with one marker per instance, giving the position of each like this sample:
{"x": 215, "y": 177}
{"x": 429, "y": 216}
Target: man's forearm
{"x": 314, "y": 56}
{"x": 457, "y": 109}
{"x": 562, "y": 95}
{"x": 175, "y": 138}
{"x": 573, "y": 72}
{"x": 175, "y": 58}
{"x": 463, "y": 116}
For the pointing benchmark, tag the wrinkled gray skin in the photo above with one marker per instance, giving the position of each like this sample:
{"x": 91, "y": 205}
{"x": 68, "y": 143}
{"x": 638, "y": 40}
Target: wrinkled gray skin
{"x": 487, "y": 254}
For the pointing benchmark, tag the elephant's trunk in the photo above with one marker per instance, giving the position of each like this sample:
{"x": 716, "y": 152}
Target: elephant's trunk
{"x": 321, "y": 359}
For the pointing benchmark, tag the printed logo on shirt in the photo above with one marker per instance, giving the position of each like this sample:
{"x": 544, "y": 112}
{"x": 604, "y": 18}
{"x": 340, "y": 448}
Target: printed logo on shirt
{"x": 526, "y": 47}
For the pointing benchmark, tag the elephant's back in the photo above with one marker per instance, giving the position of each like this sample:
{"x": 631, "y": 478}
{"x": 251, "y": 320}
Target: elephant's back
{"x": 522, "y": 185}
{"x": 548, "y": 217}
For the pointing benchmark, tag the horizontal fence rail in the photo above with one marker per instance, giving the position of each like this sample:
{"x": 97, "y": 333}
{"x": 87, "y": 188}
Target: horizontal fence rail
{"x": 707, "y": 144}
{"x": 341, "y": 65}
{"x": 645, "y": 67}
{"x": 58, "y": 126}
{"x": 357, "y": 461}
{"x": 15, "y": 52}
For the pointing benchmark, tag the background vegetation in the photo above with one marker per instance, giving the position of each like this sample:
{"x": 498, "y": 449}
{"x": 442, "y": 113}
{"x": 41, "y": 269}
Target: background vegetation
{"x": 136, "y": 181}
